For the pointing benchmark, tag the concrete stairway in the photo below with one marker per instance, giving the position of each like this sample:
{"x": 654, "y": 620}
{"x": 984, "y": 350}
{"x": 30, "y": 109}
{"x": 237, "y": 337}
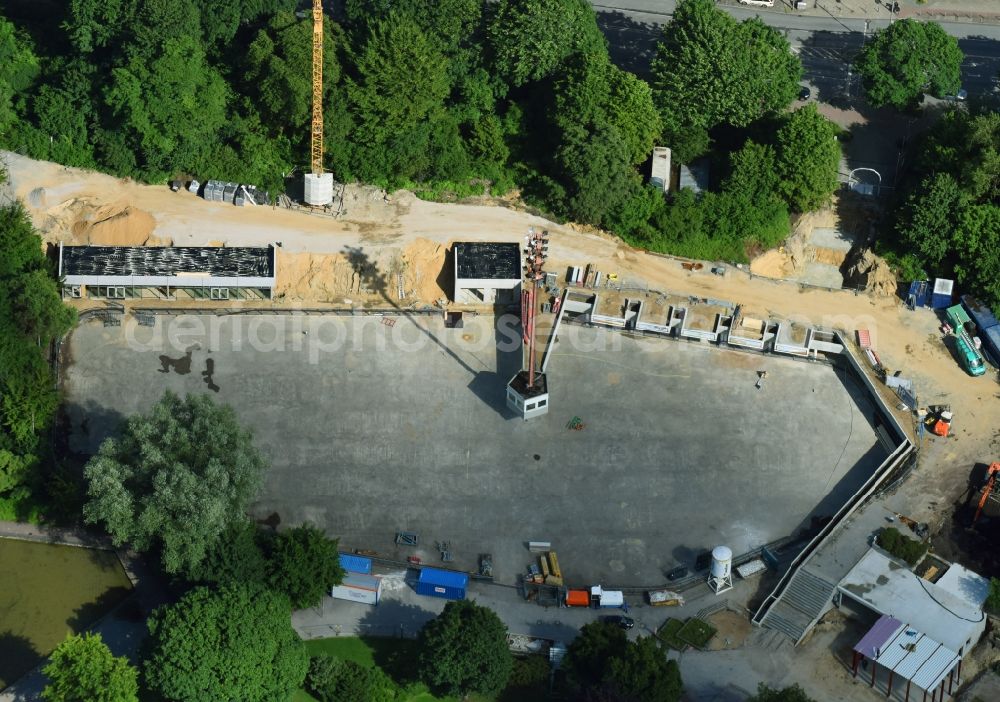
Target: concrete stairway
{"x": 802, "y": 602}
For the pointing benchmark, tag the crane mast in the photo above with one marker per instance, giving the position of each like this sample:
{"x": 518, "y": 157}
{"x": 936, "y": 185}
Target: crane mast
{"x": 317, "y": 85}
{"x": 318, "y": 186}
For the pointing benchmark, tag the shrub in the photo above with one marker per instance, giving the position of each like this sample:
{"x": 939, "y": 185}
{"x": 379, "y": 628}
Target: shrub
{"x": 902, "y": 546}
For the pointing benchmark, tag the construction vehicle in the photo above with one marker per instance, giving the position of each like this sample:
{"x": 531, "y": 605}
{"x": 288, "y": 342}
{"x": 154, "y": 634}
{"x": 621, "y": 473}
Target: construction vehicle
{"x": 938, "y": 420}
{"x": 991, "y": 481}
{"x": 964, "y": 329}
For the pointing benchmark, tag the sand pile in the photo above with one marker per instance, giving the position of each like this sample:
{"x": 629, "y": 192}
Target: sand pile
{"x": 114, "y": 225}
{"x": 863, "y": 269}
{"x": 424, "y": 274}
{"x": 313, "y": 277}
{"x": 833, "y": 257}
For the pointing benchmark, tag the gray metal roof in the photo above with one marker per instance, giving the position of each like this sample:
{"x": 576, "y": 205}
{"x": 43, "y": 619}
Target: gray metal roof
{"x": 166, "y": 261}
{"x": 488, "y": 261}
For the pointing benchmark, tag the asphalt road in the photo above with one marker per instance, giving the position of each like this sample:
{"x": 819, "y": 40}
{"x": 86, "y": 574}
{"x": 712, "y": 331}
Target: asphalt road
{"x": 826, "y": 45}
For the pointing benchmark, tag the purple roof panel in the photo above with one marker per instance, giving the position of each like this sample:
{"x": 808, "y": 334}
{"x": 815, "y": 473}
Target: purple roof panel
{"x": 878, "y": 636}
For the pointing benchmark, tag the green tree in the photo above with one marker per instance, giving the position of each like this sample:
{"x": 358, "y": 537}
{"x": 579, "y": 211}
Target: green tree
{"x": 464, "y": 650}
{"x": 397, "y": 53}
{"x": 18, "y": 69}
{"x": 643, "y": 673}
{"x": 279, "y": 71}
{"x": 597, "y": 175}
{"x": 808, "y": 159}
{"x": 906, "y": 60}
{"x": 588, "y": 658}
{"x": 171, "y": 105}
{"x": 529, "y": 39}
{"x": 32, "y": 315}
{"x": 793, "y": 693}
{"x": 928, "y": 218}
{"x": 334, "y": 680}
{"x": 753, "y": 172}
{"x": 236, "y": 643}
{"x": 304, "y": 565}
{"x": 176, "y": 478}
{"x": 82, "y": 669}
{"x": 235, "y": 557}
{"x": 710, "y": 70}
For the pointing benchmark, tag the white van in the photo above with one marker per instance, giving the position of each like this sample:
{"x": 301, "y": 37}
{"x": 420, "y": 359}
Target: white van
{"x": 758, "y": 3}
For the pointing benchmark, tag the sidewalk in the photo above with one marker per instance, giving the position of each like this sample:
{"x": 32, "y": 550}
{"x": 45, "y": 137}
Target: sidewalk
{"x": 977, "y": 11}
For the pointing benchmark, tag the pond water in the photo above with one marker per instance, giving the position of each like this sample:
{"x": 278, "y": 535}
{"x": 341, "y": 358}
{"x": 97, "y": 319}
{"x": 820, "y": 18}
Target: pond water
{"x": 47, "y": 591}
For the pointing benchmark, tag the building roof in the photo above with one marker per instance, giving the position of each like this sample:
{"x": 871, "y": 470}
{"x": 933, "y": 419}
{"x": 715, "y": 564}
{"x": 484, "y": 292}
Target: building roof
{"x": 166, "y": 261}
{"x": 907, "y": 652}
{"x": 970, "y": 586}
{"x": 891, "y": 588}
{"x": 355, "y": 564}
{"x": 487, "y": 261}
{"x": 361, "y": 581}
{"x": 444, "y": 578}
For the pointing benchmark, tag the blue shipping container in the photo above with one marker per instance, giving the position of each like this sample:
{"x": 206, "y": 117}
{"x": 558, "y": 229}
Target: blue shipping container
{"x": 442, "y": 583}
{"x": 917, "y": 296}
{"x": 991, "y": 343}
{"x": 980, "y": 313}
{"x": 355, "y": 564}
{"x": 943, "y": 289}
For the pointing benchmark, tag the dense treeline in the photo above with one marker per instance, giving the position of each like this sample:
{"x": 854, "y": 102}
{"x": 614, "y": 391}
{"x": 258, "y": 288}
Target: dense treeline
{"x": 448, "y": 97}
{"x": 948, "y": 219}
{"x": 32, "y": 316}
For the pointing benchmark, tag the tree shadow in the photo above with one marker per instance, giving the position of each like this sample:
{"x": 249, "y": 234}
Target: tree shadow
{"x": 17, "y": 656}
{"x": 88, "y": 424}
{"x": 391, "y": 629}
{"x": 631, "y": 44}
{"x": 89, "y": 612}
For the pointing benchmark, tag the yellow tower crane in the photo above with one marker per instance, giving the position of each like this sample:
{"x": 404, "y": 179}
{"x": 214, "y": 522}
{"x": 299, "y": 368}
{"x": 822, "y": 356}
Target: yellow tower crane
{"x": 318, "y": 185}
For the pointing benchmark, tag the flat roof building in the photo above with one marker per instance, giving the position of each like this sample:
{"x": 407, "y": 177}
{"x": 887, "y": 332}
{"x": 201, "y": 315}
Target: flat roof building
{"x": 487, "y": 273}
{"x": 880, "y": 584}
{"x": 166, "y": 273}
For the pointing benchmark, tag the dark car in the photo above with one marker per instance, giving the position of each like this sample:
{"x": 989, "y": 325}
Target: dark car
{"x": 619, "y": 620}
{"x": 805, "y": 93}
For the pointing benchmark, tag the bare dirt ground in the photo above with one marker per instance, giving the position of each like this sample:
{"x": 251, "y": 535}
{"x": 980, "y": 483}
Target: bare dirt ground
{"x": 383, "y": 244}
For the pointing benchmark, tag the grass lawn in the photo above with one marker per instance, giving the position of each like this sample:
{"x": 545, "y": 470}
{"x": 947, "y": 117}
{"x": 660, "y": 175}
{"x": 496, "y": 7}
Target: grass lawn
{"x": 696, "y": 632}
{"x": 668, "y": 634}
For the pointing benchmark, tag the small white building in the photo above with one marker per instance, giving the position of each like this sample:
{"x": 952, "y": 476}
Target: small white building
{"x": 949, "y": 611}
{"x": 487, "y": 273}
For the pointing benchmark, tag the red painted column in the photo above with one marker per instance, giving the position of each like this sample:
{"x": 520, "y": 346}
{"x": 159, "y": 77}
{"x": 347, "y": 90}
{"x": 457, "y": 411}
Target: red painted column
{"x": 888, "y": 692}
{"x": 907, "y": 698}
{"x": 854, "y": 663}
{"x": 951, "y": 677}
{"x": 873, "y": 674}
{"x": 942, "y": 689}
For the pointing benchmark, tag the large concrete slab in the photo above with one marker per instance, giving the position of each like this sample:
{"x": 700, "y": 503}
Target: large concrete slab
{"x": 372, "y": 428}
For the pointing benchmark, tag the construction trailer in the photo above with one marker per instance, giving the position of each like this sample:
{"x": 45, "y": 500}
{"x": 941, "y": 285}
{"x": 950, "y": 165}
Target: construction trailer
{"x": 606, "y": 599}
{"x": 659, "y": 173}
{"x": 941, "y": 295}
{"x": 968, "y": 352}
{"x": 358, "y": 587}
{"x": 447, "y": 584}
{"x": 987, "y": 324}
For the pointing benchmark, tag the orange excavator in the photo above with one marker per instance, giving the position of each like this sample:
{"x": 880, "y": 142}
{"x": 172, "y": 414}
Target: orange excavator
{"x": 991, "y": 481}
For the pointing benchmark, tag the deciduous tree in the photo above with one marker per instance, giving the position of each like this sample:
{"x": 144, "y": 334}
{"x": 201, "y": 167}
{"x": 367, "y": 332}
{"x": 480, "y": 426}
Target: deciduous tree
{"x": 304, "y": 565}
{"x": 907, "y": 59}
{"x": 465, "y": 650}
{"x": 710, "y": 69}
{"x": 18, "y": 68}
{"x": 83, "y": 669}
{"x": 236, "y": 643}
{"x": 174, "y": 479}
{"x": 529, "y": 39}
{"x": 808, "y": 159}
{"x": 334, "y": 680}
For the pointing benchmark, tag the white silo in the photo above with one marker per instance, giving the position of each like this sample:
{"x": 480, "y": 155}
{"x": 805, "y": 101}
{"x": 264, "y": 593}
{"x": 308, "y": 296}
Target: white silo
{"x": 720, "y": 577}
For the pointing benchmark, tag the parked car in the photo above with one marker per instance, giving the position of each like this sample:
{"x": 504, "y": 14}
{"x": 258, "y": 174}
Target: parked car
{"x": 621, "y": 621}
{"x": 960, "y": 96}
{"x": 805, "y": 93}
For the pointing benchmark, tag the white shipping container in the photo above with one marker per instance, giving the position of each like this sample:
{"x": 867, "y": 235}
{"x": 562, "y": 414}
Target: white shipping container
{"x": 357, "y": 587}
